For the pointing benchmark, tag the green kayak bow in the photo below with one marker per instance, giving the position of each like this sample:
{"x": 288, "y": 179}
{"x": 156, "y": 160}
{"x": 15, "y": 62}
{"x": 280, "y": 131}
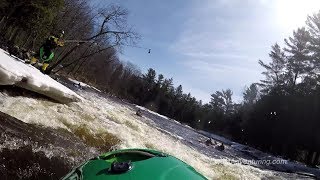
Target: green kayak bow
{"x": 134, "y": 164}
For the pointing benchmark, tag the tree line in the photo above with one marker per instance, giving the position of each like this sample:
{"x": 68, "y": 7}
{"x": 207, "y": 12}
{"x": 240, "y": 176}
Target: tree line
{"x": 89, "y": 30}
{"x": 279, "y": 114}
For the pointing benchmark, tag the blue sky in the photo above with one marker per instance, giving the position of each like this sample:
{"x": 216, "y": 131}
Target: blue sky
{"x": 210, "y": 45}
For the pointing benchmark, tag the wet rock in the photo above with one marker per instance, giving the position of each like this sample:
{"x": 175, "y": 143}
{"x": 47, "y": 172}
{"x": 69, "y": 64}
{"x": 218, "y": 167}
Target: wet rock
{"x": 23, "y": 163}
{"x": 139, "y": 113}
{"x": 220, "y": 147}
{"x": 29, "y": 151}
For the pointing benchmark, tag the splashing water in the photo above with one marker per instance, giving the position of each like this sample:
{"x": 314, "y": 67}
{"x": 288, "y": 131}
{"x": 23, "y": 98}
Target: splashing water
{"x": 119, "y": 128}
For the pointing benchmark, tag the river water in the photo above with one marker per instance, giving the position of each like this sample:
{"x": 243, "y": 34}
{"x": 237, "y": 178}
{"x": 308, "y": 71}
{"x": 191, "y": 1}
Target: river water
{"x": 67, "y": 134}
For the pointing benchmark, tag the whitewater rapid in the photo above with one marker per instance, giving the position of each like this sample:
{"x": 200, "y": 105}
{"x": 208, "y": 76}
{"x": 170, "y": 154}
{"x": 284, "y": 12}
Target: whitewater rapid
{"x": 103, "y": 115}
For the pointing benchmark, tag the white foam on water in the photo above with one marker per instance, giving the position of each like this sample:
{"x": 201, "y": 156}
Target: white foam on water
{"x": 83, "y": 84}
{"x": 152, "y": 112}
{"x": 104, "y": 115}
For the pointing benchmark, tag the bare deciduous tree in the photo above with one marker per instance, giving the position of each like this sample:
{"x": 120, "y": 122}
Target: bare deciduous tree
{"x": 112, "y": 32}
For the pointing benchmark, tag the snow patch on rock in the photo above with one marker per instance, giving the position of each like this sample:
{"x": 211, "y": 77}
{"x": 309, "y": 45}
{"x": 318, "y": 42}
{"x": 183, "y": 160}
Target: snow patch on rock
{"x": 83, "y": 84}
{"x": 15, "y": 72}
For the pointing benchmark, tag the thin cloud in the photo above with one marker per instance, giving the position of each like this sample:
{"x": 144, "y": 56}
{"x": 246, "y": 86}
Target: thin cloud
{"x": 221, "y": 43}
{"x": 221, "y": 72}
{"x": 215, "y": 77}
{"x": 215, "y": 55}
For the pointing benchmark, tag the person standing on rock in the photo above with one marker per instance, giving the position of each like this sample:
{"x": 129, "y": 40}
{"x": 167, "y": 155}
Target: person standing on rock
{"x": 46, "y": 54}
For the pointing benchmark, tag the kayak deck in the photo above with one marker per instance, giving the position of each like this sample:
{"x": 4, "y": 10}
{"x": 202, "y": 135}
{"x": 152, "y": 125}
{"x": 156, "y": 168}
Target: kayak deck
{"x": 134, "y": 164}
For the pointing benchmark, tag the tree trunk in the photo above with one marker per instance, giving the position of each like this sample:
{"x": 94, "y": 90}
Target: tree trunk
{"x": 34, "y": 43}
{"x": 27, "y": 41}
{"x": 295, "y": 80}
{"x": 13, "y": 32}
{"x": 3, "y": 27}
{"x": 2, "y": 20}
{"x": 316, "y": 159}
{"x": 310, "y": 158}
{"x": 284, "y": 150}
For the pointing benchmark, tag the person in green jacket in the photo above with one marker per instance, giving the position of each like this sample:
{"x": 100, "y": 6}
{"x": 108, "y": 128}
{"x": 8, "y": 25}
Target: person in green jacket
{"x": 46, "y": 54}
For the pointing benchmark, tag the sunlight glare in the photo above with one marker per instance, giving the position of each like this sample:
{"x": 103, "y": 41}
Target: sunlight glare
{"x": 291, "y": 14}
